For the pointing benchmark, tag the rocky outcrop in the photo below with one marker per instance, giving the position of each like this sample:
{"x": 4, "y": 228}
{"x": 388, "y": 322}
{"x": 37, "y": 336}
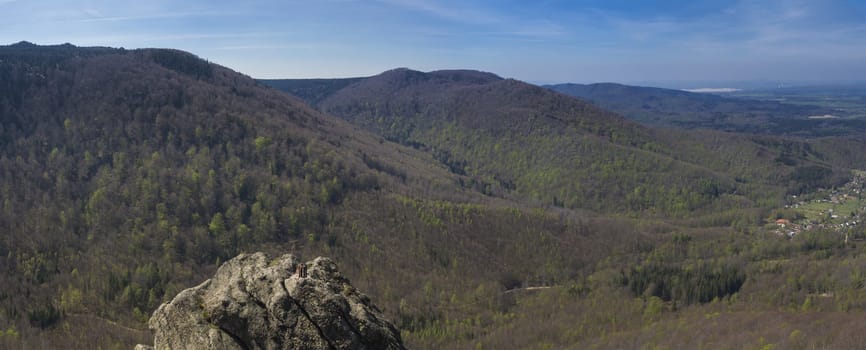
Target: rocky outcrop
{"x": 257, "y": 302}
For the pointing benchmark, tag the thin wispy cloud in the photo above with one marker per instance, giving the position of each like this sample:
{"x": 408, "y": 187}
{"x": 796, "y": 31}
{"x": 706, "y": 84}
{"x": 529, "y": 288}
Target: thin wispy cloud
{"x": 587, "y": 39}
{"x": 96, "y": 16}
{"x": 273, "y": 47}
{"x": 745, "y": 27}
{"x": 455, "y": 11}
{"x": 541, "y": 30}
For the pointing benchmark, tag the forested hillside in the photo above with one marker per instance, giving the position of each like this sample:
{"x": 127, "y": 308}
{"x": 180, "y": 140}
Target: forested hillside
{"x": 516, "y": 138}
{"x": 688, "y": 110}
{"x": 127, "y": 176}
{"x": 130, "y": 175}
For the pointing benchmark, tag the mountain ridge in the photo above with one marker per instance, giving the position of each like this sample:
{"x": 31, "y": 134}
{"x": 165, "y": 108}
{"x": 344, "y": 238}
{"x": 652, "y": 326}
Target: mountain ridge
{"x": 141, "y": 168}
{"x": 127, "y": 176}
{"x": 453, "y": 118}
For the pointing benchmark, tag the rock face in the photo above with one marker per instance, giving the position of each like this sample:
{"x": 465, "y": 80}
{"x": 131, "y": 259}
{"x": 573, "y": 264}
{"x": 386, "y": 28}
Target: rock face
{"x": 256, "y": 302}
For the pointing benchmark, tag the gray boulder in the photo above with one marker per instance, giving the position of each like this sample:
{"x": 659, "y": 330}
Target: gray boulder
{"x": 256, "y": 302}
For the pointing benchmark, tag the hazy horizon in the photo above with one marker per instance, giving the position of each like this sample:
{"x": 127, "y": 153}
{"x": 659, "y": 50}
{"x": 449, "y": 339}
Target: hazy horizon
{"x": 543, "y": 42}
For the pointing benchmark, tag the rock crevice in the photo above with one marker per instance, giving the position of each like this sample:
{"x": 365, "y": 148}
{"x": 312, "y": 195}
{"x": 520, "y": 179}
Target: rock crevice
{"x": 313, "y": 322}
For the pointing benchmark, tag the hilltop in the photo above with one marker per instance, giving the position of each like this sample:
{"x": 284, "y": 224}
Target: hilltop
{"x": 516, "y": 138}
{"x": 129, "y": 175}
{"x": 476, "y": 211}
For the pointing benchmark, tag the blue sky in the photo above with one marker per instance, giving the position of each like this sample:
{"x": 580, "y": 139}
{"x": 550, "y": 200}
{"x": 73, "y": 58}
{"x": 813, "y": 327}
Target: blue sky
{"x": 537, "y": 41}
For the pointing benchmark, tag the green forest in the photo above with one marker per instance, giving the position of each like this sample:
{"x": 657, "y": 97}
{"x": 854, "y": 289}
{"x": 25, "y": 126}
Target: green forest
{"x": 477, "y": 212}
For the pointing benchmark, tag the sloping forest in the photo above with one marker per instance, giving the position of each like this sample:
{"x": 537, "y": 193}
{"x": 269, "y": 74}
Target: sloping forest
{"x": 127, "y": 176}
{"x": 517, "y": 138}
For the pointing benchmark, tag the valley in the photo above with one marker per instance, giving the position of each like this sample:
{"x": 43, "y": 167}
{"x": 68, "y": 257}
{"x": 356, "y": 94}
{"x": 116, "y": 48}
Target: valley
{"x": 800, "y": 112}
{"x": 845, "y": 100}
{"x": 839, "y": 210}
{"x": 476, "y": 211}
